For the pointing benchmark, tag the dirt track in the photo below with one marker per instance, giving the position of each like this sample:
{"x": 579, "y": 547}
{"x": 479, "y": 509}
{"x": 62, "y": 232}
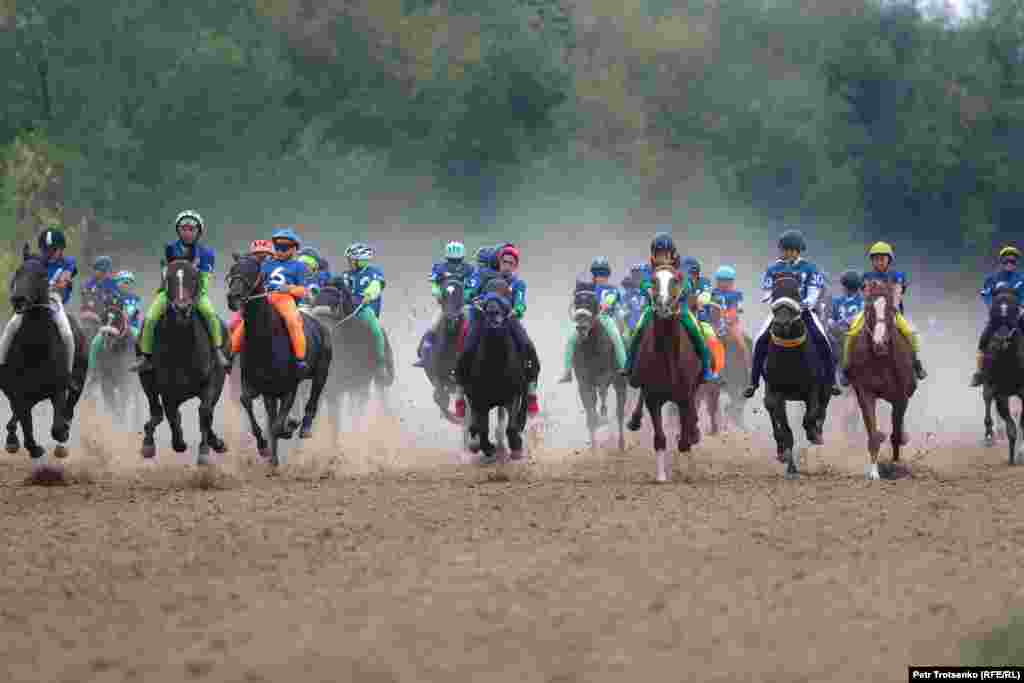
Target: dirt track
{"x": 576, "y": 569}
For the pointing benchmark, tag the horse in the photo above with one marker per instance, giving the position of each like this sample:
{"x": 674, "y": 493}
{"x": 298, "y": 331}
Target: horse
{"x": 494, "y": 375}
{"x": 36, "y": 367}
{"x": 850, "y": 410}
{"x": 667, "y": 368}
{"x": 881, "y": 366}
{"x": 595, "y": 369}
{"x": 793, "y": 373}
{"x": 1005, "y": 376}
{"x": 440, "y": 370}
{"x": 114, "y": 359}
{"x": 90, "y": 312}
{"x": 737, "y": 360}
{"x": 184, "y": 367}
{"x": 354, "y": 368}
{"x": 268, "y": 364}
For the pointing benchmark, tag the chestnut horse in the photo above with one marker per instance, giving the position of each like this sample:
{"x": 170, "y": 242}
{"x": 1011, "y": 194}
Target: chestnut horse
{"x": 881, "y": 366}
{"x": 667, "y": 367}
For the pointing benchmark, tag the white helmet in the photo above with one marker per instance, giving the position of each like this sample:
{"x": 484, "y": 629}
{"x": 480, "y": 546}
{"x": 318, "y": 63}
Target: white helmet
{"x": 357, "y": 251}
{"x": 194, "y": 215}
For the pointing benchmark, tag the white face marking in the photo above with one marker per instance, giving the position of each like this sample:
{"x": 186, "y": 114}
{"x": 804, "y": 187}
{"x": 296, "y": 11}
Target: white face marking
{"x": 663, "y": 278}
{"x": 879, "y": 332}
{"x": 181, "y": 286}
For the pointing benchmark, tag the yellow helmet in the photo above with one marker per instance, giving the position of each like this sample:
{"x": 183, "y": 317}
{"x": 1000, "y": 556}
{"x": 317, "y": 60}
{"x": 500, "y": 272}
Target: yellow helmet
{"x": 1009, "y": 251}
{"x": 880, "y": 249}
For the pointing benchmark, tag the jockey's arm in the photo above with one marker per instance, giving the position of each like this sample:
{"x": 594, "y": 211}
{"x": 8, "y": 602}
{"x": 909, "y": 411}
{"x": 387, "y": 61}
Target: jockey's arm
{"x": 204, "y": 283}
{"x": 435, "y": 290}
{"x": 372, "y": 291}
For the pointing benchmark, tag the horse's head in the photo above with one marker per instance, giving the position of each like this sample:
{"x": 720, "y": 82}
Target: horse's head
{"x": 879, "y": 315}
{"x": 666, "y": 292}
{"x": 453, "y": 299}
{"x": 496, "y": 311}
{"x": 1005, "y": 308}
{"x": 787, "y": 326}
{"x": 328, "y": 301}
{"x": 181, "y": 286}
{"x": 584, "y": 313}
{"x": 30, "y": 284}
{"x": 115, "y": 322}
{"x": 244, "y": 280}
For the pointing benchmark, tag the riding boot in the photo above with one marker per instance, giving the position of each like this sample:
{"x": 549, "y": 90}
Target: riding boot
{"x": 979, "y": 375}
{"x": 757, "y": 366}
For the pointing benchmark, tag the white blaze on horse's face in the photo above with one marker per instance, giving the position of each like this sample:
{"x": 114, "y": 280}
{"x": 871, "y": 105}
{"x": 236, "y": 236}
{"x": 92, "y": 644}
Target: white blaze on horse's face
{"x": 879, "y": 332}
{"x": 664, "y": 302}
{"x": 181, "y": 286}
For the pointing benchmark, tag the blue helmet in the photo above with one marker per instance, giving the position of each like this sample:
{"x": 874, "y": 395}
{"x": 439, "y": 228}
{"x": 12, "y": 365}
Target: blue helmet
{"x": 600, "y": 267}
{"x": 725, "y": 273}
{"x": 103, "y": 264}
{"x": 793, "y": 239}
{"x": 851, "y": 279}
{"x": 663, "y": 242}
{"x": 638, "y": 268}
{"x": 287, "y": 234}
{"x": 691, "y": 265}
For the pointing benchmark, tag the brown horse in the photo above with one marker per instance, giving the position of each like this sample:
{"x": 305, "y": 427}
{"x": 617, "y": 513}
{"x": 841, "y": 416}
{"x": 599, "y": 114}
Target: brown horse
{"x": 881, "y": 366}
{"x": 667, "y": 368}
{"x": 735, "y": 373}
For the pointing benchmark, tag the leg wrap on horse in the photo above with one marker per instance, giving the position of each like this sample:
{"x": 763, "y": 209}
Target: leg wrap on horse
{"x": 612, "y": 331}
{"x": 60, "y": 317}
{"x": 154, "y": 315}
{"x": 369, "y": 318}
{"x": 13, "y": 325}
{"x": 206, "y": 310}
{"x": 285, "y": 305}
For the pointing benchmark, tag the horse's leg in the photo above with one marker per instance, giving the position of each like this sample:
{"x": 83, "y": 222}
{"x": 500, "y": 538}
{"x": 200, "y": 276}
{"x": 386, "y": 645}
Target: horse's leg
{"x": 867, "y": 401}
{"x": 990, "y": 437}
{"x": 271, "y": 406}
{"x": 61, "y": 429}
{"x": 313, "y": 403}
{"x": 156, "y": 416}
{"x": 620, "y": 410}
{"x": 514, "y": 430}
{"x": 812, "y": 420}
{"x": 23, "y": 411}
{"x": 1018, "y": 456}
{"x": 214, "y": 392}
{"x": 775, "y": 406}
{"x": 713, "y": 398}
{"x": 899, "y": 437}
{"x": 13, "y": 444}
{"x": 1003, "y": 407}
{"x": 481, "y": 422}
{"x": 109, "y": 395}
{"x": 501, "y": 422}
{"x": 261, "y": 441}
{"x": 588, "y": 395}
{"x": 173, "y": 411}
{"x": 603, "y": 397}
{"x": 205, "y": 425}
{"x": 637, "y": 418}
{"x": 663, "y": 466}
{"x": 286, "y": 424}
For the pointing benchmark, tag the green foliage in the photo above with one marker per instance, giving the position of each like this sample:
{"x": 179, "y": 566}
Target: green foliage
{"x": 1002, "y": 647}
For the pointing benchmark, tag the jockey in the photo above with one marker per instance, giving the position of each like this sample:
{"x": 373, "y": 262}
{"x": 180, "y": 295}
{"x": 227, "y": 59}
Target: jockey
{"x": 506, "y": 259}
{"x": 189, "y": 226}
{"x": 1008, "y": 258}
{"x": 125, "y": 281}
{"x": 101, "y": 283}
{"x": 731, "y": 301}
{"x": 881, "y": 255}
{"x": 609, "y": 300}
{"x": 61, "y": 270}
{"x": 312, "y": 283}
{"x": 366, "y": 282}
{"x": 995, "y": 320}
{"x": 453, "y": 265}
{"x": 285, "y": 277}
{"x": 791, "y": 245}
{"x": 634, "y": 297}
{"x": 698, "y": 285}
{"x": 845, "y": 310}
{"x": 663, "y": 253}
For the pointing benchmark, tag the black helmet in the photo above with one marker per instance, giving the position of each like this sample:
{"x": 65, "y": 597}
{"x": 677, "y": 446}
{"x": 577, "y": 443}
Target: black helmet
{"x": 663, "y": 242}
{"x": 792, "y": 239}
{"x": 52, "y": 239}
{"x": 851, "y": 279}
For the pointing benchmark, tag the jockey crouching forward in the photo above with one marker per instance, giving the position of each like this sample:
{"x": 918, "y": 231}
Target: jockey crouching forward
{"x": 663, "y": 253}
{"x": 285, "y": 279}
{"x": 366, "y": 282}
{"x": 792, "y": 244}
{"x": 61, "y": 270}
{"x": 609, "y": 301}
{"x": 881, "y": 255}
{"x": 1007, "y": 277}
{"x": 730, "y": 299}
{"x": 454, "y": 265}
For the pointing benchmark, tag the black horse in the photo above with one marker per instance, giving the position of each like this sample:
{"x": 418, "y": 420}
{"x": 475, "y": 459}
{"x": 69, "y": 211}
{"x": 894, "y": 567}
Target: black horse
{"x": 354, "y": 368}
{"x": 494, "y": 375}
{"x": 113, "y": 361}
{"x": 184, "y": 366}
{"x": 269, "y": 370}
{"x": 1005, "y": 376}
{"x": 595, "y": 367}
{"x": 793, "y": 372}
{"x": 441, "y": 367}
{"x": 36, "y": 367}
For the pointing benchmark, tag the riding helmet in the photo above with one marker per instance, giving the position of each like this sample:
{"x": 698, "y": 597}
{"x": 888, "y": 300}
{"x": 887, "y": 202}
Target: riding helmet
{"x": 600, "y": 267}
{"x": 103, "y": 264}
{"x": 286, "y": 235}
{"x": 52, "y": 238}
{"x": 189, "y": 214}
{"x": 881, "y": 249}
{"x": 357, "y": 251}
{"x": 851, "y": 279}
{"x": 691, "y": 265}
{"x": 725, "y": 273}
{"x": 793, "y": 239}
{"x": 455, "y": 251}
{"x": 1008, "y": 251}
{"x": 663, "y": 242}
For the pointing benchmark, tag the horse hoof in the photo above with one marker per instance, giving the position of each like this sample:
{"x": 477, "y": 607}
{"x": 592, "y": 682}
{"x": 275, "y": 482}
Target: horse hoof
{"x": 816, "y": 439}
{"x": 782, "y": 457}
{"x": 60, "y": 434}
{"x": 60, "y": 452}
{"x": 13, "y": 446}
{"x": 264, "y": 452}
{"x": 306, "y": 433}
{"x": 35, "y": 453}
{"x": 149, "y": 451}
{"x": 871, "y": 473}
{"x": 488, "y": 459}
{"x": 179, "y": 447}
{"x": 516, "y": 455}
{"x": 792, "y": 476}
{"x": 203, "y": 459}
{"x": 988, "y": 441}
{"x": 219, "y": 446}
{"x": 633, "y": 425}
{"x": 474, "y": 445}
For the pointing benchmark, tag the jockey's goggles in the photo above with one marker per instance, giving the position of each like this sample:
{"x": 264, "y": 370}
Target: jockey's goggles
{"x": 282, "y": 246}
{"x": 188, "y": 223}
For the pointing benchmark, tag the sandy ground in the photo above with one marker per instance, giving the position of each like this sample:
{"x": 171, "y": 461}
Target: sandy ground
{"x": 388, "y": 561}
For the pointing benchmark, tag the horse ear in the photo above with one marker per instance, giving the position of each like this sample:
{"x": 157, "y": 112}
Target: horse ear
{"x": 26, "y": 252}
